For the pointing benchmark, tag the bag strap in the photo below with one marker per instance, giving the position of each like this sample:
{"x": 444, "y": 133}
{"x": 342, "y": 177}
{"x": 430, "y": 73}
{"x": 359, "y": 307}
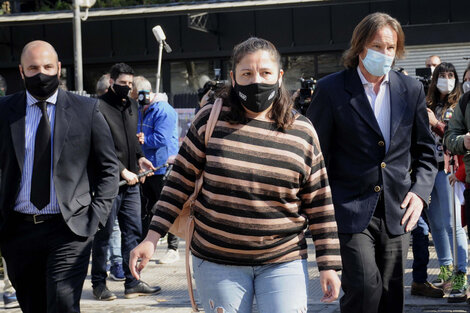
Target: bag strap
{"x": 211, "y": 122}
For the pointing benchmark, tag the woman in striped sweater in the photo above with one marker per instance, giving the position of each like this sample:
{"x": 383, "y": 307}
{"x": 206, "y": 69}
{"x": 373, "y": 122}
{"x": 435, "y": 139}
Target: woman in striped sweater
{"x": 264, "y": 182}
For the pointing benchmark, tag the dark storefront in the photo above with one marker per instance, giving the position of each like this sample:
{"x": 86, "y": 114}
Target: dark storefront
{"x": 311, "y": 36}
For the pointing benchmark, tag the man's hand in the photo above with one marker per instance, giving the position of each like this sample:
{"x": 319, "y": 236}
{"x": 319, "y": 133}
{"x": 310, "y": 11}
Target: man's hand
{"x": 145, "y": 165}
{"x": 141, "y": 138}
{"x": 413, "y": 205}
{"x": 131, "y": 178}
{"x": 330, "y": 285}
{"x": 141, "y": 254}
{"x": 466, "y": 141}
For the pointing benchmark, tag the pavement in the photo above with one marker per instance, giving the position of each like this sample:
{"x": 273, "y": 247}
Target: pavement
{"x": 174, "y": 296}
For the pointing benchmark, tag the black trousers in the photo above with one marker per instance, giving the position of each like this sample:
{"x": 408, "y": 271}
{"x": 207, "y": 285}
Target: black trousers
{"x": 373, "y": 267}
{"x": 47, "y": 265}
{"x": 151, "y": 190}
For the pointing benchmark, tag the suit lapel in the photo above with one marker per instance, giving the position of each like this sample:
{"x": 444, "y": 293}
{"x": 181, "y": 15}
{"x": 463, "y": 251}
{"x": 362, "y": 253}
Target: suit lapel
{"x": 17, "y": 119}
{"x": 359, "y": 100}
{"x": 397, "y": 102}
{"x": 61, "y": 125}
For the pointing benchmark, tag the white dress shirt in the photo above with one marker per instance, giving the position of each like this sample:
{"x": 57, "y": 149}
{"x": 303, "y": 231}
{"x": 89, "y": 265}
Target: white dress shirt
{"x": 380, "y": 104}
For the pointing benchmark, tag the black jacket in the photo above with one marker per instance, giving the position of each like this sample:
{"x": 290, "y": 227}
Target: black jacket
{"x": 122, "y": 117}
{"x": 359, "y": 168}
{"x": 84, "y": 162}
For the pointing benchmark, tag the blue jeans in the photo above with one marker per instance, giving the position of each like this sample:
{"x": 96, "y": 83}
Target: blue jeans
{"x": 440, "y": 221}
{"x": 420, "y": 251}
{"x": 278, "y": 288}
{"x": 114, "y": 251}
{"x": 126, "y": 207}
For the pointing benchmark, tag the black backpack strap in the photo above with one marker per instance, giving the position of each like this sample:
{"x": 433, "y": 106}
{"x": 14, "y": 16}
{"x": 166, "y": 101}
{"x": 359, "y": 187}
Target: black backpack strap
{"x": 464, "y": 102}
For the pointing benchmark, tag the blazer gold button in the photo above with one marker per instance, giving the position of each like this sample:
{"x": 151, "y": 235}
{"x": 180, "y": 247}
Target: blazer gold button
{"x": 381, "y": 143}
{"x": 377, "y": 188}
{"x": 382, "y": 165}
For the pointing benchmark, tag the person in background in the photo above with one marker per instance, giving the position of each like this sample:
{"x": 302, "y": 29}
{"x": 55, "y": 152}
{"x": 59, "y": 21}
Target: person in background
{"x": 466, "y": 80}
{"x": 264, "y": 182}
{"x": 3, "y": 86}
{"x": 159, "y": 139}
{"x": 432, "y": 62}
{"x": 9, "y": 293}
{"x": 420, "y": 242}
{"x": 121, "y": 114}
{"x": 372, "y": 123}
{"x": 114, "y": 257}
{"x": 102, "y": 85}
{"x": 443, "y": 96}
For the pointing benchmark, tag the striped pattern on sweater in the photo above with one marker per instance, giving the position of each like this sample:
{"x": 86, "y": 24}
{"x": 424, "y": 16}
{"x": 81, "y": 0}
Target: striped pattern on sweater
{"x": 261, "y": 188}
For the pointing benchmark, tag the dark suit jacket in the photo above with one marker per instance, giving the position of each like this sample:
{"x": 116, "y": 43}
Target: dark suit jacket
{"x": 85, "y": 166}
{"x": 354, "y": 151}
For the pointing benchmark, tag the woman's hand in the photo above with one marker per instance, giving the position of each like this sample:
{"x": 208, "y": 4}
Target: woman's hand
{"x": 141, "y": 254}
{"x": 432, "y": 118}
{"x": 330, "y": 285}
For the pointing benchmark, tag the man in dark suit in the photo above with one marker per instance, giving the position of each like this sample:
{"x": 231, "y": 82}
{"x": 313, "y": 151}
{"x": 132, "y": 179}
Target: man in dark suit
{"x": 58, "y": 178}
{"x": 373, "y": 129}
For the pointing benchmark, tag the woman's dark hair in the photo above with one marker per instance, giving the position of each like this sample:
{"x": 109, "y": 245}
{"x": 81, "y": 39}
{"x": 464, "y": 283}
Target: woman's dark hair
{"x": 281, "y": 111}
{"x": 434, "y": 95}
{"x": 465, "y": 72}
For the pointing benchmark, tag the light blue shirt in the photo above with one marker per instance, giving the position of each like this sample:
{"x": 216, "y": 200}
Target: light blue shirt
{"x": 33, "y": 116}
{"x": 380, "y": 104}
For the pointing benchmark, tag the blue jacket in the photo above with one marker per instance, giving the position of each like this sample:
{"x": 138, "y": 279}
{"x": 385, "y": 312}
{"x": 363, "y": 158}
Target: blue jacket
{"x": 160, "y": 128}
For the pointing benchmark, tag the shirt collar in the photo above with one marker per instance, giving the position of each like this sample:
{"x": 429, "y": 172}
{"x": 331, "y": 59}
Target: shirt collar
{"x": 30, "y": 100}
{"x": 364, "y": 81}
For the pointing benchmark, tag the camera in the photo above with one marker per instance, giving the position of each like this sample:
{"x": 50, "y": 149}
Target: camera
{"x": 144, "y": 97}
{"x": 213, "y": 86}
{"x": 424, "y": 75}
{"x": 307, "y": 87}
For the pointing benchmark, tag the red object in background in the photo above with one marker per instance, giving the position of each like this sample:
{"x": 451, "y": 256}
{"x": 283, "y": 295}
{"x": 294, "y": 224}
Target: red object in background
{"x": 460, "y": 175}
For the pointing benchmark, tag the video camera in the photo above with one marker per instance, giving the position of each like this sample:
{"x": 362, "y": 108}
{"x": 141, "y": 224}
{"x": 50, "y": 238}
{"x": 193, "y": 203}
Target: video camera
{"x": 307, "y": 87}
{"x": 424, "y": 75}
{"x": 213, "y": 86}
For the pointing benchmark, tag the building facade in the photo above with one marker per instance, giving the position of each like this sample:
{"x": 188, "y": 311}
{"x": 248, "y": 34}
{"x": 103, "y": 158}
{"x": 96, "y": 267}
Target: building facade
{"x": 310, "y": 34}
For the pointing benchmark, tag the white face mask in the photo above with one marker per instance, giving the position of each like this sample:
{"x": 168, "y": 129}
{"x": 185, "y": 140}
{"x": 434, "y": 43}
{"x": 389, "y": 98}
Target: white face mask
{"x": 466, "y": 86}
{"x": 445, "y": 85}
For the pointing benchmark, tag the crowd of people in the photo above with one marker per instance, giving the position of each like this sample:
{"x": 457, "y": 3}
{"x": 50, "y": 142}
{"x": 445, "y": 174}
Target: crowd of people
{"x": 373, "y": 162}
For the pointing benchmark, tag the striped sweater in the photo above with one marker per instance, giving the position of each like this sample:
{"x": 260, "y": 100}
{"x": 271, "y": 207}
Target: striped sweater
{"x": 261, "y": 188}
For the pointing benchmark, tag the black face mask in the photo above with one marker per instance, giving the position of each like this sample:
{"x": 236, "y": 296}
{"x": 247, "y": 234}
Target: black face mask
{"x": 257, "y": 97}
{"x": 144, "y": 97}
{"x": 41, "y": 86}
{"x": 121, "y": 91}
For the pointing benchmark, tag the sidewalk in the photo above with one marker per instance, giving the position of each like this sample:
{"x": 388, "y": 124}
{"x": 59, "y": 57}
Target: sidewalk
{"x": 174, "y": 297}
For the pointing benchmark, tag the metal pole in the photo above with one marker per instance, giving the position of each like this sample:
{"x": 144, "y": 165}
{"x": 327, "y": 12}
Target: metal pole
{"x": 160, "y": 53}
{"x": 77, "y": 45}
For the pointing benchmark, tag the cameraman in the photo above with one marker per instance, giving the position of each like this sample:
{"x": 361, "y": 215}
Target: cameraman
{"x": 208, "y": 92}
{"x": 303, "y": 96}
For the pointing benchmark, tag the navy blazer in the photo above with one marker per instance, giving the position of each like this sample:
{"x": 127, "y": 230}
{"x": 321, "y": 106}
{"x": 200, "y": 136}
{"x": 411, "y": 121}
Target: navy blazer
{"x": 85, "y": 166}
{"x": 358, "y": 167}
